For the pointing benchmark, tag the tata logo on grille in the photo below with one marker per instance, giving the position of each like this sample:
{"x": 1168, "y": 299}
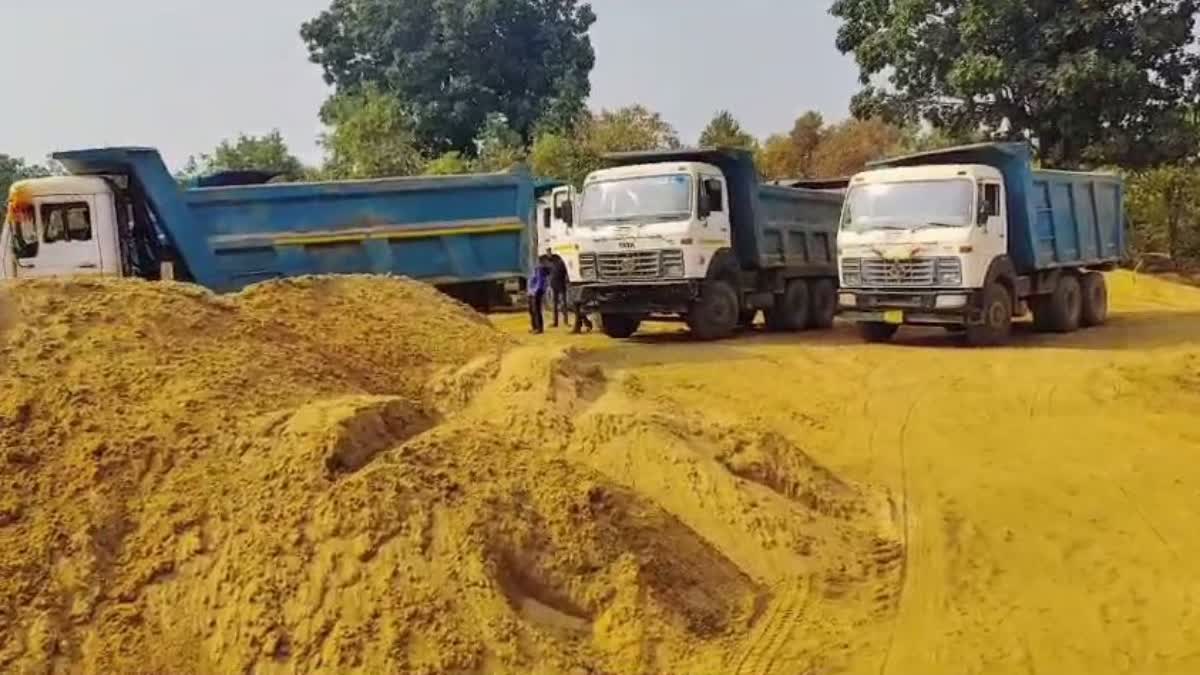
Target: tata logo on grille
{"x": 897, "y": 272}
{"x": 628, "y": 266}
{"x": 626, "y": 244}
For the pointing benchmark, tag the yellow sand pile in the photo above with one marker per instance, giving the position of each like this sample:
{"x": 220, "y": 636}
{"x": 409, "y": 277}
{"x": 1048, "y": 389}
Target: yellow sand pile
{"x": 359, "y": 475}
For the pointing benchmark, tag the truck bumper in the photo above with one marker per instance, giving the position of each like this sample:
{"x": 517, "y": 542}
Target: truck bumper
{"x": 934, "y": 307}
{"x": 644, "y": 299}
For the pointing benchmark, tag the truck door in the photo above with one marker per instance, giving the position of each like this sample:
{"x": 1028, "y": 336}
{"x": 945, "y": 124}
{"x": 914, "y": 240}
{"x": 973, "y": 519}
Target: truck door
{"x": 713, "y": 194}
{"x": 63, "y": 241}
{"x": 992, "y": 219}
{"x": 557, "y": 229}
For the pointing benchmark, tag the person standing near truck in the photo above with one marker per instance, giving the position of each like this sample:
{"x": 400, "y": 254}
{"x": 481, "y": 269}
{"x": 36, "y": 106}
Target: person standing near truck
{"x": 538, "y": 281}
{"x": 558, "y": 286}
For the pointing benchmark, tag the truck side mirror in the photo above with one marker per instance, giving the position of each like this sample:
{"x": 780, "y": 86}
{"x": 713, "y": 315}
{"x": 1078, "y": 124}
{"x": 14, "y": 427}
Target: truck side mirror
{"x": 703, "y": 203}
{"x": 568, "y": 213}
{"x": 981, "y": 218}
{"x": 715, "y": 201}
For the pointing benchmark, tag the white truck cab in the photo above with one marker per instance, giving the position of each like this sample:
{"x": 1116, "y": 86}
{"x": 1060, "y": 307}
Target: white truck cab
{"x": 931, "y": 228}
{"x": 60, "y": 226}
{"x": 650, "y": 223}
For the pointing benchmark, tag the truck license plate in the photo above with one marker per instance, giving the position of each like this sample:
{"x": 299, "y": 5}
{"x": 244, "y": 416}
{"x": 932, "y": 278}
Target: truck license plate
{"x": 894, "y": 317}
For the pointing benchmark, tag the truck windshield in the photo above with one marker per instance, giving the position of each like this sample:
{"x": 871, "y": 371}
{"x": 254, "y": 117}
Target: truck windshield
{"x": 629, "y": 199}
{"x": 909, "y": 204}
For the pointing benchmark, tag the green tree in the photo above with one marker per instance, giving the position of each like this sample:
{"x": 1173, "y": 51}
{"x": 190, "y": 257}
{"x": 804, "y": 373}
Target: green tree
{"x": 498, "y": 146}
{"x": 453, "y": 63}
{"x": 448, "y": 164}
{"x": 371, "y": 136}
{"x": 574, "y": 153}
{"x": 724, "y": 131}
{"x": 630, "y": 128}
{"x": 1164, "y": 212}
{"x": 1094, "y": 81}
{"x": 246, "y": 153}
{"x": 13, "y": 169}
{"x": 568, "y": 157}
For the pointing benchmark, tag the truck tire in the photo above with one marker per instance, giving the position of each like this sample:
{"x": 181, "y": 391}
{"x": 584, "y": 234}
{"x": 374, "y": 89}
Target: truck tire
{"x": 1094, "y": 291}
{"x": 793, "y": 308}
{"x": 997, "y": 318}
{"x": 715, "y": 314}
{"x": 823, "y": 293}
{"x": 619, "y": 326}
{"x": 1063, "y": 308}
{"x": 872, "y": 331}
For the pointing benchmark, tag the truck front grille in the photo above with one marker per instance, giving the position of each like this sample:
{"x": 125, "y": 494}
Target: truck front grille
{"x": 898, "y": 273}
{"x": 635, "y": 265}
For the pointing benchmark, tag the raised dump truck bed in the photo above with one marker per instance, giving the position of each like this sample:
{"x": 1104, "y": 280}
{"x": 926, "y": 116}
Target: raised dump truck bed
{"x": 456, "y": 232}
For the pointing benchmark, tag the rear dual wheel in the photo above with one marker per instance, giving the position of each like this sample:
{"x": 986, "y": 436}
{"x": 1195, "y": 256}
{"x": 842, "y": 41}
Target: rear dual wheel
{"x": 1076, "y": 301}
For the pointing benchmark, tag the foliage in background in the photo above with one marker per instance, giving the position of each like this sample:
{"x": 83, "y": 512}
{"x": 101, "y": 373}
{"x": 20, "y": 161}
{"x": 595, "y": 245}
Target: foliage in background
{"x": 573, "y": 154}
{"x": 371, "y": 136}
{"x": 1163, "y": 205}
{"x": 247, "y": 153}
{"x": 1093, "y": 82}
{"x": 724, "y": 131}
{"x": 13, "y": 169}
{"x": 451, "y": 64}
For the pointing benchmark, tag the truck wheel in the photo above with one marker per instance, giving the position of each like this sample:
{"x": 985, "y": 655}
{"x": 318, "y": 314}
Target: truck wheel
{"x": 619, "y": 326}
{"x": 1095, "y": 299}
{"x": 997, "y": 318}
{"x": 792, "y": 309}
{"x": 877, "y": 332}
{"x": 715, "y": 314}
{"x": 824, "y": 304}
{"x": 1064, "y": 306}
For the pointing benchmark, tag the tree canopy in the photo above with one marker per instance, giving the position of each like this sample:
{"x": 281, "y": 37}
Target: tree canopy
{"x": 451, "y": 64}
{"x": 370, "y": 136}
{"x": 726, "y": 132}
{"x": 13, "y": 169}
{"x": 259, "y": 153}
{"x": 1086, "y": 82}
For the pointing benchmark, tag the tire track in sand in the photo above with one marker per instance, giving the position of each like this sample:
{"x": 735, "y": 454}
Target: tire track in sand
{"x": 763, "y": 651}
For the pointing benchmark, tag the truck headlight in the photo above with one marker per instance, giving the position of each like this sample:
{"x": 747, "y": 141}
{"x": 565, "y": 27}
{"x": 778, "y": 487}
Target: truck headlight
{"x": 852, "y": 271}
{"x": 587, "y": 267}
{"x": 949, "y": 272}
{"x": 848, "y": 300}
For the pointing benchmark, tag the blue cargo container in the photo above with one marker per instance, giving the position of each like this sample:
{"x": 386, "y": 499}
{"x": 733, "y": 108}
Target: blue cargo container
{"x": 464, "y": 233}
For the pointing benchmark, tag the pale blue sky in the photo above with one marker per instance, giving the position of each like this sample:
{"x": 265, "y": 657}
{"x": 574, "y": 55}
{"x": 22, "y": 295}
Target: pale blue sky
{"x": 182, "y": 75}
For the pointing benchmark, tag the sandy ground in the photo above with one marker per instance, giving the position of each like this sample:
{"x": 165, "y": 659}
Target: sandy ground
{"x": 1045, "y": 494}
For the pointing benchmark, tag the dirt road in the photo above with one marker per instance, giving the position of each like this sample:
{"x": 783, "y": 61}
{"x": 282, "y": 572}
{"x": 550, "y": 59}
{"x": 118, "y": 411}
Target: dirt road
{"x": 1043, "y": 497}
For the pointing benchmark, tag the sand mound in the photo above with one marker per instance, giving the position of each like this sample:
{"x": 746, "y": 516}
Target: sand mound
{"x": 360, "y": 475}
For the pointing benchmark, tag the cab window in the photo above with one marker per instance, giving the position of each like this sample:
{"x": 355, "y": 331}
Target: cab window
{"x": 24, "y": 236}
{"x": 70, "y": 221}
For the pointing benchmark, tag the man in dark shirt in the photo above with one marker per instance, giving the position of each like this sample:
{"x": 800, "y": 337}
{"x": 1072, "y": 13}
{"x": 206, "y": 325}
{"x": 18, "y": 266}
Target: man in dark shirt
{"x": 558, "y": 286}
{"x": 538, "y": 279}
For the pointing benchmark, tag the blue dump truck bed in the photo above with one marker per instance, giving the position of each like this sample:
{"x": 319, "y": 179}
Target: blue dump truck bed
{"x": 1056, "y": 218}
{"x": 446, "y": 231}
{"x": 772, "y": 225}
